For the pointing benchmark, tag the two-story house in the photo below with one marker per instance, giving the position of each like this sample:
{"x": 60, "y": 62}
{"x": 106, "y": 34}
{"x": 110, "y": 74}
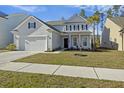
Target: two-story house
{"x": 32, "y": 34}
{"x": 74, "y": 32}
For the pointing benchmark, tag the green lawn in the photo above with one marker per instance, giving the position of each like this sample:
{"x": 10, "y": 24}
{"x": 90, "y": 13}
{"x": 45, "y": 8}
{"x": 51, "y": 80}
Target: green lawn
{"x": 25, "y": 80}
{"x": 107, "y": 59}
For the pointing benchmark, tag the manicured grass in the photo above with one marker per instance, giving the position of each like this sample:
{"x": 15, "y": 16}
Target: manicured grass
{"x": 107, "y": 59}
{"x": 25, "y": 80}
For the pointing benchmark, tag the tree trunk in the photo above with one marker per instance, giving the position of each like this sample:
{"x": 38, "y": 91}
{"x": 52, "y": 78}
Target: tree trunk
{"x": 94, "y": 46}
{"x": 97, "y": 31}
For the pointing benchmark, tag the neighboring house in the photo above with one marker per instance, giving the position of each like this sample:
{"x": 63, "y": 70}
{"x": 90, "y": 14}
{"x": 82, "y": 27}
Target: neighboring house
{"x": 32, "y": 34}
{"x": 112, "y": 36}
{"x": 7, "y": 23}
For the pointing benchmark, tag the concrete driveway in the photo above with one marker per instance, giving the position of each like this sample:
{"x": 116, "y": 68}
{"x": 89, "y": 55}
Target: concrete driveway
{"x": 13, "y": 55}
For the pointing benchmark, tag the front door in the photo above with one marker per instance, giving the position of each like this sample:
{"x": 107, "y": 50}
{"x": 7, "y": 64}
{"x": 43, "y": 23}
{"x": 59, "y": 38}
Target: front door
{"x": 65, "y": 42}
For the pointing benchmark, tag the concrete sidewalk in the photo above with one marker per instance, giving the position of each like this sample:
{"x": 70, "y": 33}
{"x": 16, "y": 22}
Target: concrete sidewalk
{"x": 73, "y": 71}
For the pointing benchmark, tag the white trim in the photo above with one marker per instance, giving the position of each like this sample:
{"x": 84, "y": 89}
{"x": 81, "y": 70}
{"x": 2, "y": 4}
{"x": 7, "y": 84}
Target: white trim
{"x": 73, "y": 40}
{"x": 82, "y": 39}
{"x": 78, "y": 31}
{"x": 83, "y": 18}
{"x": 37, "y": 35}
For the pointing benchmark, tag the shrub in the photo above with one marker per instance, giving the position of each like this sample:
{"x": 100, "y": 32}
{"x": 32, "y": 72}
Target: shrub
{"x": 97, "y": 43}
{"x": 11, "y": 47}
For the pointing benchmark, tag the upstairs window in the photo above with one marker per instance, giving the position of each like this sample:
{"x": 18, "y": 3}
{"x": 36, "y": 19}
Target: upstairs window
{"x": 66, "y": 27}
{"x": 74, "y": 27}
{"x": 86, "y": 27}
{"x": 70, "y": 28}
{"x": 82, "y": 26}
{"x": 32, "y": 25}
{"x": 78, "y": 27}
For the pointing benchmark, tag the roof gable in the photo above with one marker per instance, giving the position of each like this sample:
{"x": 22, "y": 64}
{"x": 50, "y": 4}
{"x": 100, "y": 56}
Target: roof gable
{"x": 40, "y": 21}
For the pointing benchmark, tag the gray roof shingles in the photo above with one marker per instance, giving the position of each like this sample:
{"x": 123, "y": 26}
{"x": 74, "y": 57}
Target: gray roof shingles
{"x": 118, "y": 20}
{"x": 72, "y": 19}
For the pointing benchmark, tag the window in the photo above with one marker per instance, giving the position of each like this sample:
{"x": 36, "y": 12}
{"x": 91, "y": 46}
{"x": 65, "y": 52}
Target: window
{"x": 82, "y": 26}
{"x": 74, "y": 27}
{"x": 70, "y": 28}
{"x": 31, "y": 25}
{"x": 86, "y": 27}
{"x": 66, "y": 27}
{"x": 74, "y": 41}
{"x": 34, "y": 24}
{"x": 78, "y": 27}
{"x": 85, "y": 41}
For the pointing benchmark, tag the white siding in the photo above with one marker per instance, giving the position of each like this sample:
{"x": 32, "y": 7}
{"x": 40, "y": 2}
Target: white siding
{"x": 41, "y": 29}
{"x": 6, "y": 25}
{"x": 56, "y": 41}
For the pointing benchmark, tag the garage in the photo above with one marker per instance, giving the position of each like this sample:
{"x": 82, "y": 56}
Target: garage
{"x": 36, "y": 43}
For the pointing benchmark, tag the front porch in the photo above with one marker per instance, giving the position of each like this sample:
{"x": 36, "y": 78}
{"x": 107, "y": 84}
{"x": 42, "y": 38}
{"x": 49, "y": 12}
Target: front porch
{"x": 76, "y": 41}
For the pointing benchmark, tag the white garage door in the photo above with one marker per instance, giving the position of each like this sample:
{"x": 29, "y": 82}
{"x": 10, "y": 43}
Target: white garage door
{"x": 36, "y": 44}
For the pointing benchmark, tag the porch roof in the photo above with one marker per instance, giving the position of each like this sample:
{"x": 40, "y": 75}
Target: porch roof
{"x": 76, "y": 33}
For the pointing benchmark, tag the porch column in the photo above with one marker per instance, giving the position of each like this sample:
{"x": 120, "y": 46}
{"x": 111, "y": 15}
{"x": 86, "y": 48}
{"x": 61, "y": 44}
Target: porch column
{"x": 69, "y": 39}
{"x": 90, "y": 46}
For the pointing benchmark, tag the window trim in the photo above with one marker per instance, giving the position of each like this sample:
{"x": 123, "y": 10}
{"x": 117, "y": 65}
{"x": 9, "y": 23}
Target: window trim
{"x": 31, "y": 25}
{"x": 75, "y": 41}
{"x": 85, "y": 41}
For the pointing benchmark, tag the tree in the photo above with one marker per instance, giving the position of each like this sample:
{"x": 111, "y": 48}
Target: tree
{"x": 92, "y": 22}
{"x": 82, "y": 13}
{"x": 97, "y": 19}
{"x": 122, "y": 11}
{"x": 116, "y": 9}
{"x": 109, "y": 13}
